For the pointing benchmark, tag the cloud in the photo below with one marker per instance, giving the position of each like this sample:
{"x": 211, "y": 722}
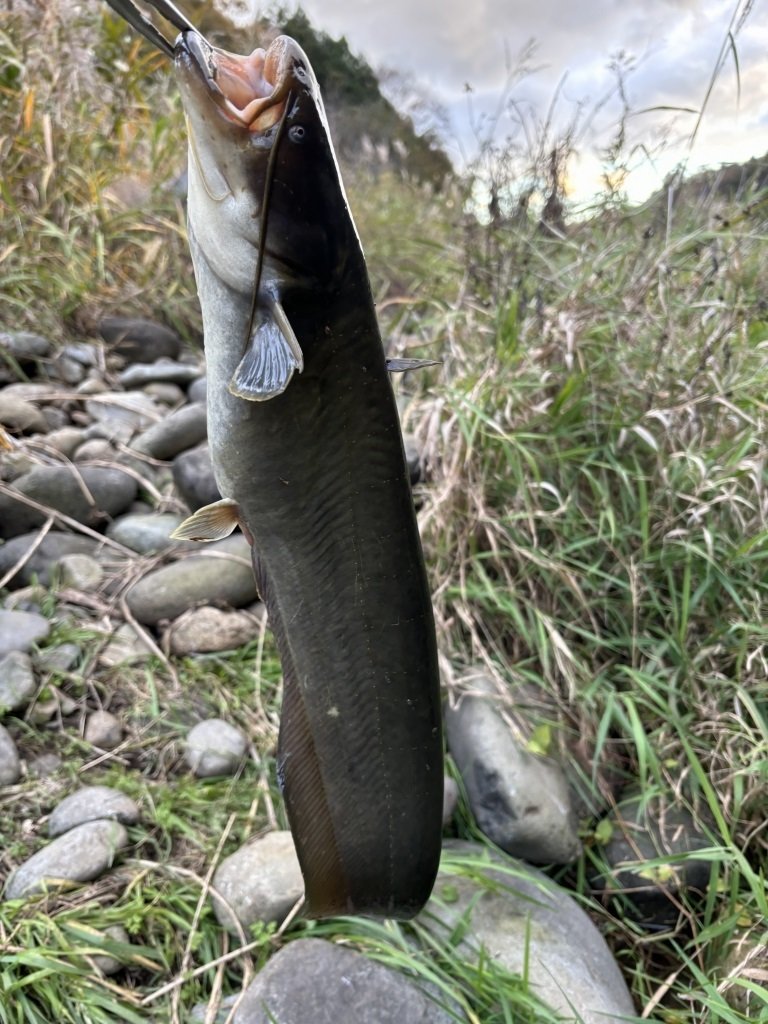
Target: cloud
{"x": 448, "y": 43}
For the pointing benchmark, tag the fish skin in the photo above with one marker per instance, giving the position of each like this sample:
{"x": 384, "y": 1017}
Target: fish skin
{"x": 320, "y": 479}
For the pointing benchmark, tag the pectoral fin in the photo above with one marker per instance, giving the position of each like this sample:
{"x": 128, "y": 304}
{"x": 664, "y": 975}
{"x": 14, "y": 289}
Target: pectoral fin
{"x": 213, "y": 522}
{"x": 401, "y": 365}
{"x": 271, "y": 356}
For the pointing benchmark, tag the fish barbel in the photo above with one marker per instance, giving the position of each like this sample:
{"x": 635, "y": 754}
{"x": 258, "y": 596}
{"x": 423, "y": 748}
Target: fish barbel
{"x": 307, "y": 451}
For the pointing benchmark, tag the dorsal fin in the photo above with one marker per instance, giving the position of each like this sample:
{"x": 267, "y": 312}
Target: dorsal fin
{"x": 402, "y": 365}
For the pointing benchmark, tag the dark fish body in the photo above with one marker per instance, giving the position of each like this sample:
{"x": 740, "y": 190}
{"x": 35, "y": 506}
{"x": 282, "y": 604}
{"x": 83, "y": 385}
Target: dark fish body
{"x": 307, "y": 451}
{"x": 323, "y": 490}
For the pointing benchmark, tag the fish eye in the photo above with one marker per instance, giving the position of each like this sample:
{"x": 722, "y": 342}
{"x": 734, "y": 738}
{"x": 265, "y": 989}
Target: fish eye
{"x": 297, "y": 133}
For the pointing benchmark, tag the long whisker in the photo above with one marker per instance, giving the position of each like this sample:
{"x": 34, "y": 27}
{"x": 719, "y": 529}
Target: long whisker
{"x": 270, "y": 173}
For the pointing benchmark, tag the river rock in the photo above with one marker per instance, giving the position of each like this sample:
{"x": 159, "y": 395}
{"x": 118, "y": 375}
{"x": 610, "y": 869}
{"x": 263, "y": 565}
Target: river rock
{"x": 196, "y": 579}
{"x": 521, "y": 801}
{"x": 20, "y": 416}
{"x": 45, "y": 557}
{"x": 526, "y": 922}
{"x": 54, "y": 417}
{"x": 138, "y": 508}
{"x": 194, "y": 479}
{"x": 44, "y": 765}
{"x": 118, "y": 415}
{"x": 66, "y": 440}
{"x": 68, "y": 371}
{"x": 81, "y": 572}
{"x": 138, "y": 340}
{"x": 26, "y": 599}
{"x": 96, "y": 448}
{"x": 10, "y": 766}
{"x": 650, "y": 857}
{"x": 260, "y": 882}
{"x": 204, "y": 630}
{"x": 103, "y": 730}
{"x": 16, "y": 463}
{"x": 145, "y": 533}
{"x": 59, "y": 658}
{"x": 176, "y": 433}
{"x": 33, "y": 391}
{"x": 21, "y": 350}
{"x": 745, "y": 972}
{"x": 83, "y": 853}
{"x": 114, "y": 937}
{"x": 125, "y": 646}
{"x": 25, "y": 346}
{"x": 83, "y": 352}
{"x": 214, "y": 747}
{"x": 313, "y": 981}
{"x": 58, "y": 487}
{"x": 450, "y": 799}
{"x": 92, "y": 803}
{"x": 199, "y": 1012}
{"x": 54, "y": 703}
{"x": 17, "y": 681}
{"x": 94, "y": 384}
{"x": 198, "y": 390}
{"x": 106, "y": 962}
{"x": 20, "y": 631}
{"x": 166, "y": 394}
{"x": 164, "y": 371}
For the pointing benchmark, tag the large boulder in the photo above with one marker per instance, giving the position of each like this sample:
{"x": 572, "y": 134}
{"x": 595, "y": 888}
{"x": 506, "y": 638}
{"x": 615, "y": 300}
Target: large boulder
{"x": 517, "y": 916}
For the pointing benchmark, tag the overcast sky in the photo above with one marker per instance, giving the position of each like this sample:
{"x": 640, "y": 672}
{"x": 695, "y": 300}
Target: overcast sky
{"x": 447, "y": 45}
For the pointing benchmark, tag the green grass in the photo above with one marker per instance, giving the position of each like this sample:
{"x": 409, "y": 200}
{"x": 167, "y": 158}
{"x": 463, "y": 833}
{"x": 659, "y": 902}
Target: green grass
{"x": 597, "y": 520}
{"x": 594, "y": 520}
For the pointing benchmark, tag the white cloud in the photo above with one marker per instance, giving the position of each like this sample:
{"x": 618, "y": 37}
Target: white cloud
{"x": 447, "y": 43}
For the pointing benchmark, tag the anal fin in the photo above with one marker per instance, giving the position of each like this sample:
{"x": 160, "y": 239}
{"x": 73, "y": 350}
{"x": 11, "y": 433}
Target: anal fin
{"x": 301, "y": 779}
{"x": 212, "y": 522}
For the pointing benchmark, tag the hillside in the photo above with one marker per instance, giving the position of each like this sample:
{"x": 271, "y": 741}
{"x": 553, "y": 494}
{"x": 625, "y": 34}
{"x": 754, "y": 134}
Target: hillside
{"x": 720, "y": 195}
{"x": 366, "y": 127}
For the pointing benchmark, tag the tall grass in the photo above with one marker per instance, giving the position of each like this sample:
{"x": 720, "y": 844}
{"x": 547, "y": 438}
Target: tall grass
{"x": 79, "y": 122}
{"x": 596, "y": 522}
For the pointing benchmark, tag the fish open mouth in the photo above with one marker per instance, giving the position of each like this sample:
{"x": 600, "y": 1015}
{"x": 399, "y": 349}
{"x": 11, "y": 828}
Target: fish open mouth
{"x": 248, "y": 90}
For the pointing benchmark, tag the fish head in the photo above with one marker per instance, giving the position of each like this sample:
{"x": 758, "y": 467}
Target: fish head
{"x": 261, "y": 162}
